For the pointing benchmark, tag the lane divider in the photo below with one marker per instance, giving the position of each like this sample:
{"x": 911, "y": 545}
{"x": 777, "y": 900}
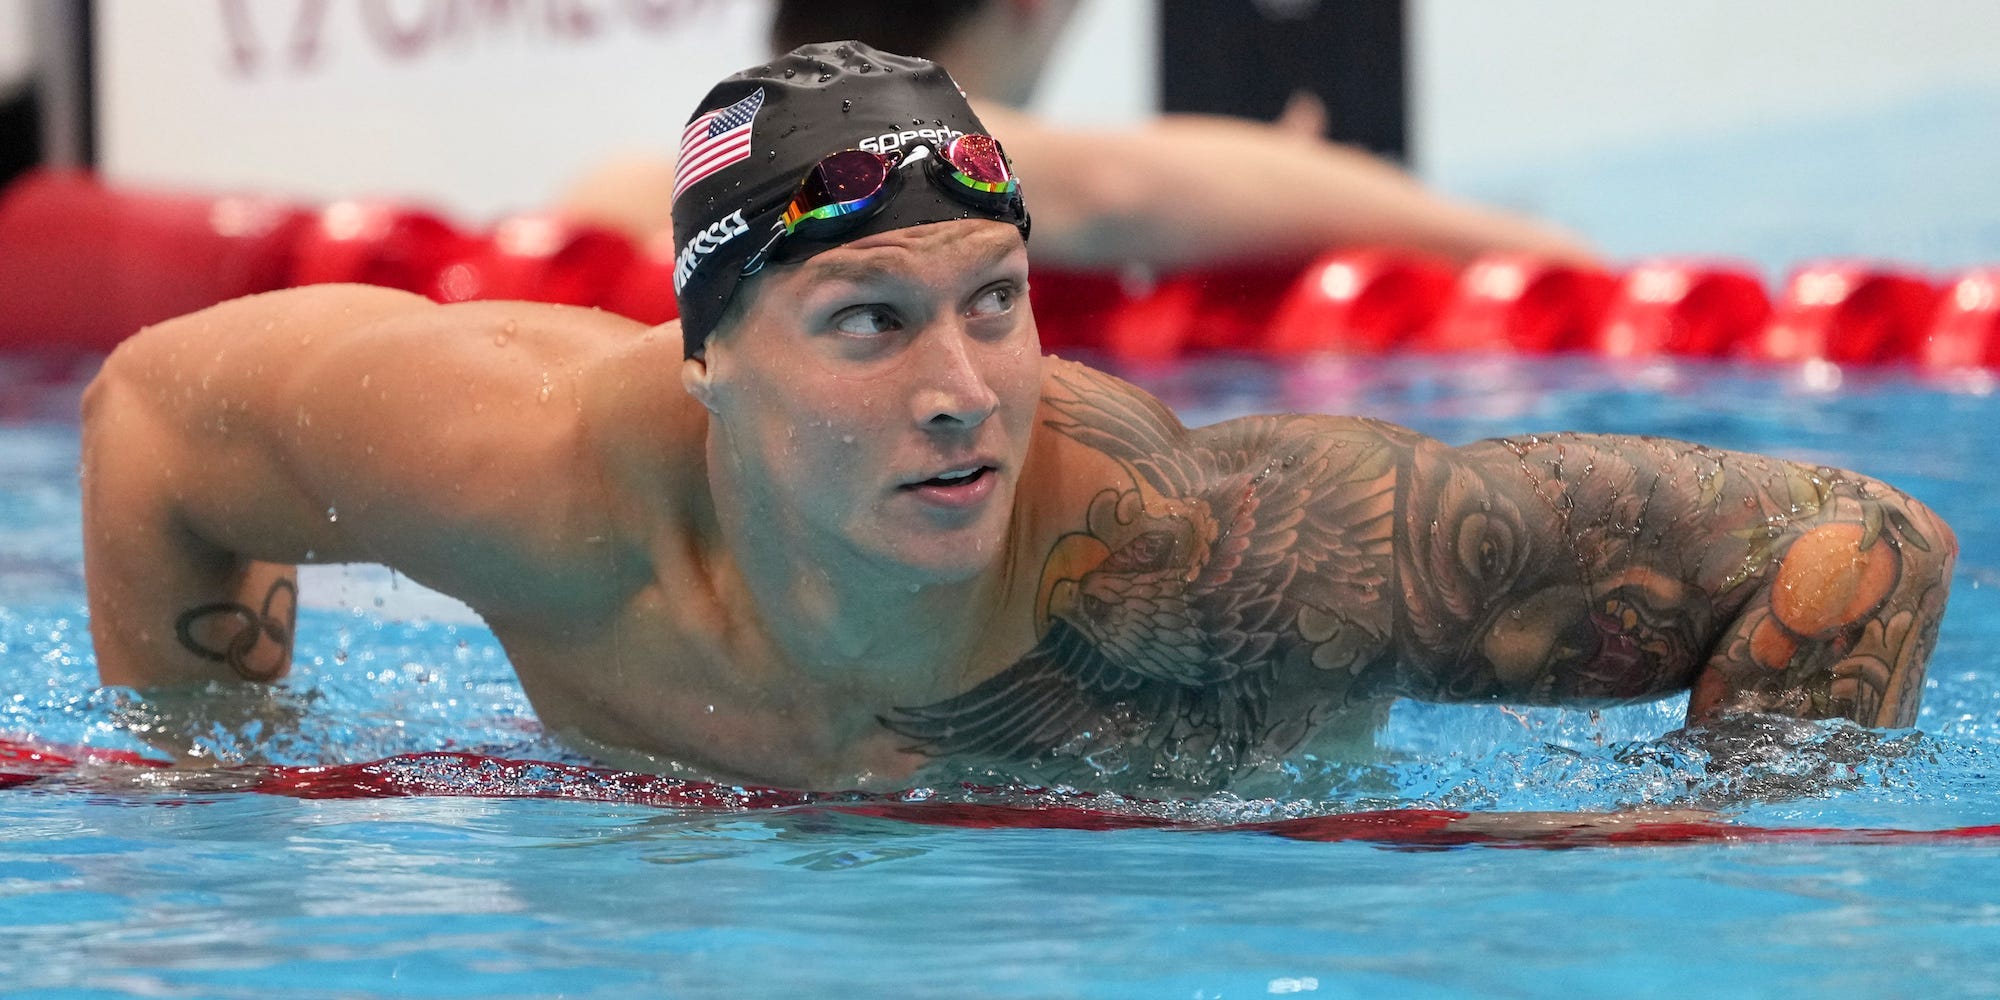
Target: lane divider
{"x": 84, "y": 264}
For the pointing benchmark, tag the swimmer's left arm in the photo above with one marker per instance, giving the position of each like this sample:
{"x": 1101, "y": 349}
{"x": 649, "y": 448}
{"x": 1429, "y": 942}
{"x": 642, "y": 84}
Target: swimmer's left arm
{"x": 1254, "y": 576}
{"x": 1590, "y": 569}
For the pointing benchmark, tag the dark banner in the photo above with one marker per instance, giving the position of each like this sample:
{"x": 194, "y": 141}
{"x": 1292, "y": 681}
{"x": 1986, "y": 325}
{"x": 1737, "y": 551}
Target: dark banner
{"x": 1248, "y": 57}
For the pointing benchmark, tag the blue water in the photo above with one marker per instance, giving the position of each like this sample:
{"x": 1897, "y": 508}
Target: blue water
{"x": 117, "y": 881}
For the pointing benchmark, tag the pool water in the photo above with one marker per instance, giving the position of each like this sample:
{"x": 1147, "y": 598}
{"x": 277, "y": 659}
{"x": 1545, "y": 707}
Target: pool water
{"x": 125, "y": 881}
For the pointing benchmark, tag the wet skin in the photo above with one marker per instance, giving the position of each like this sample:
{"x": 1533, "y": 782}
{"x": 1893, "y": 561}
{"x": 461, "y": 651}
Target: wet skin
{"x": 874, "y": 529}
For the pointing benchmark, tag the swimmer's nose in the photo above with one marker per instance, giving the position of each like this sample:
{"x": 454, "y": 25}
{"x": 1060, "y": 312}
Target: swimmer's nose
{"x": 954, "y": 391}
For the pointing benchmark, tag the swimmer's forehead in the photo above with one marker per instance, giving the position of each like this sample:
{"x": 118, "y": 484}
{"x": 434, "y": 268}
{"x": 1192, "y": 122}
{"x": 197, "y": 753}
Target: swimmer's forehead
{"x": 969, "y": 245}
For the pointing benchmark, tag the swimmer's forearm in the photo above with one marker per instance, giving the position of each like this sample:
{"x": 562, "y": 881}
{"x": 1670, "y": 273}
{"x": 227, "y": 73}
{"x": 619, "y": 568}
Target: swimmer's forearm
{"x": 1582, "y": 569}
{"x": 159, "y": 618}
{"x": 1195, "y": 191}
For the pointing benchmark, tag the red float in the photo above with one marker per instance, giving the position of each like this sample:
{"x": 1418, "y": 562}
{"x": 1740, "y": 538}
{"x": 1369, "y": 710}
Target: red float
{"x": 84, "y": 266}
{"x": 1152, "y": 326}
{"x": 376, "y": 243}
{"x": 537, "y": 258}
{"x": 1965, "y": 331}
{"x": 1848, "y": 313}
{"x": 1359, "y": 302}
{"x": 1683, "y": 308}
{"x": 644, "y": 289}
{"x": 1074, "y": 308}
{"x": 1519, "y": 304}
{"x": 1234, "y": 307}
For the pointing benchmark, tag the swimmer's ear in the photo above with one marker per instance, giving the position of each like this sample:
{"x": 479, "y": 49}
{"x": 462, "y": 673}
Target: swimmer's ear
{"x": 698, "y": 380}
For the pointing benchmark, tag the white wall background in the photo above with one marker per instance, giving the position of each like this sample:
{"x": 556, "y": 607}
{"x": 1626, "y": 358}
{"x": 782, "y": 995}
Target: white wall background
{"x": 1525, "y": 81}
{"x": 1104, "y": 71}
{"x": 476, "y": 106}
{"x": 15, "y": 51}
{"x": 1771, "y": 130}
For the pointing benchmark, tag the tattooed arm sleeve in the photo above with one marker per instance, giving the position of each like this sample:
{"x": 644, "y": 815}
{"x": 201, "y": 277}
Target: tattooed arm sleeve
{"x": 1247, "y": 580}
{"x": 1590, "y": 569}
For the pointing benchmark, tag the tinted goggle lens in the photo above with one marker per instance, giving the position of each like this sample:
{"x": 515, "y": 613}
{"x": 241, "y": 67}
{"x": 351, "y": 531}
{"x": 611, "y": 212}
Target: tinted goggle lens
{"x": 854, "y": 183}
{"x": 845, "y": 182}
{"x": 977, "y": 163}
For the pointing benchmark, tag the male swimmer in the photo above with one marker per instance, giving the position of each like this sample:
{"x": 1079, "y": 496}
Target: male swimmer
{"x": 847, "y": 522}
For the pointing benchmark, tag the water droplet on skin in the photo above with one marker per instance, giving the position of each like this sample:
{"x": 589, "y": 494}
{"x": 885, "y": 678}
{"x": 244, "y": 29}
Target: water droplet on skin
{"x": 332, "y": 516}
{"x": 770, "y": 154}
{"x": 847, "y": 439}
{"x": 867, "y": 67}
{"x": 789, "y": 73}
{"x": 846, "y": 105}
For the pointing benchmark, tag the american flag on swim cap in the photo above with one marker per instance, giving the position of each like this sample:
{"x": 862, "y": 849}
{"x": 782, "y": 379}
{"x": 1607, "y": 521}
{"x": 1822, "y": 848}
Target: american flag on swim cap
{"x": 716, "y": 140}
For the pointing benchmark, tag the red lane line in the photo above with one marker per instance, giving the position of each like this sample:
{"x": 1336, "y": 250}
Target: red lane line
{"x": 479, "y": 776}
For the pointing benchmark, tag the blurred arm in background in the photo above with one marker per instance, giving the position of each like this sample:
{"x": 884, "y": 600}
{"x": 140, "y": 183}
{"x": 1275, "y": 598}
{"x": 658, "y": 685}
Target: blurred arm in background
{"x": 1180, "y": 191}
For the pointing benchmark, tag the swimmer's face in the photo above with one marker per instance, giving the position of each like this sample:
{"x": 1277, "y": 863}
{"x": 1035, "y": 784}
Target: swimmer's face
{"x": 877, "y": 398}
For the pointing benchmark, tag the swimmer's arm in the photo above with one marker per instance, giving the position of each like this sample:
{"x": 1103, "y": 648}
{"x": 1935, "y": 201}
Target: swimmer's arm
{"x": 190, "y": 525}
{"x": 1578, "y": 569}
{"x": 1181, "y": 191}
{"x": 1189, "y": 190}
{"x": 1240, "y": 581}
{"x": 327, "y": 424}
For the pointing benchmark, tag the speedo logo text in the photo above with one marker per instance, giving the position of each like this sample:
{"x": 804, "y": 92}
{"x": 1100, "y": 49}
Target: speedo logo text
{"x": 889, "y": 142}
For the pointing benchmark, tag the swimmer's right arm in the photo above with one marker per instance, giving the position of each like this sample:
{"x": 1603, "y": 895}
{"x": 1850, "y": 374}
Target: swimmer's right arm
{"x": 320, "y": 424}
{"x": 191, "y": 522}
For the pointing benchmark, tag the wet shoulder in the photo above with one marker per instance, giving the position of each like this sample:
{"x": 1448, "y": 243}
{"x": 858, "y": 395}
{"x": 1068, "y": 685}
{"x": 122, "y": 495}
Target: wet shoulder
{"x": 1087, "y": 426}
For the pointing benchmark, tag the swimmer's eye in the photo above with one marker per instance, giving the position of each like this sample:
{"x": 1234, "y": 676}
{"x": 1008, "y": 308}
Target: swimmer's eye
{"x": 866, "y": 321}
{"x": 996, "y": 299}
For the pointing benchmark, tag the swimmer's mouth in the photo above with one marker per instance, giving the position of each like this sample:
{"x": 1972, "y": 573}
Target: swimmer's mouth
{"x": 955, "y": 478}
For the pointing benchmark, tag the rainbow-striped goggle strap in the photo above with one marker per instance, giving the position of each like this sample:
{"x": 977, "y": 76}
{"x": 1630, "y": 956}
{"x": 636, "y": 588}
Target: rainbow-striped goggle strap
{"x": 844, "y": 183}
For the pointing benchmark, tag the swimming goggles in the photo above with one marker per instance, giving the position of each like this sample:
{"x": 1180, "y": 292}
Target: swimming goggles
{"x": 846, "y": 188}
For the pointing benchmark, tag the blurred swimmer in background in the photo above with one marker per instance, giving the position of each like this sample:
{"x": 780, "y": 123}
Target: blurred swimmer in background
{"x": 1182, "y": 191}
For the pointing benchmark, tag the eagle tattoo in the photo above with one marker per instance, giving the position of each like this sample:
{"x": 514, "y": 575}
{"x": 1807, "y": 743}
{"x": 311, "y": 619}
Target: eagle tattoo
{"x": 1246, "y": 558}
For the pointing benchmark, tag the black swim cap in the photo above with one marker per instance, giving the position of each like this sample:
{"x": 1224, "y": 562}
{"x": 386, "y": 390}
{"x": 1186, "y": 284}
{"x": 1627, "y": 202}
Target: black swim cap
{"x": 757, "y": 133}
